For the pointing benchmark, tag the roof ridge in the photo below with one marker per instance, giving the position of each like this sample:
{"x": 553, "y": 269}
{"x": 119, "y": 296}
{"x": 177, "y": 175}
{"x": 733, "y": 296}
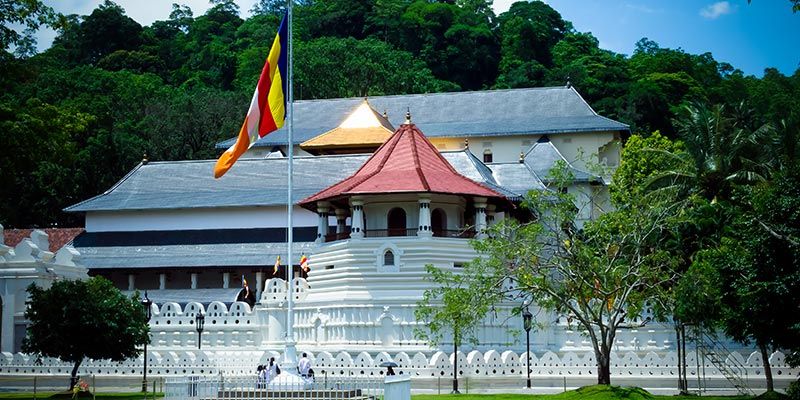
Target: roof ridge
{"x": 572, "y": 88}
{"x": 109, "y": 190}
{"x": 418, "y": 164}
{"x": 475, "y": 160}
{"x": 436, "y": 93}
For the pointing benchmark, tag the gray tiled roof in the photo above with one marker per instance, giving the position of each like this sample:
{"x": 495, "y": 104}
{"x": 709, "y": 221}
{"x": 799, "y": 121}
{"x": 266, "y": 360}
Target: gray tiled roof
{"x": 468, "y": 165}
{"x": 182, "y": 256}
{"x": 516, "y": 177}
{"x": 251, "y": 182}
{"x": 543, "y": 155}
{"x": 483, "y": 113}
{"x": 258, "y": 182}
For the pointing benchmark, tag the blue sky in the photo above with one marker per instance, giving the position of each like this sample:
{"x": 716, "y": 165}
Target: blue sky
{"x": 749, "y": 36}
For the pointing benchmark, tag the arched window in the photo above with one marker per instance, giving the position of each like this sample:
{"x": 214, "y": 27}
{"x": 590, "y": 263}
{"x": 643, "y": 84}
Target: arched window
{"x": 396, "y": 222}
{"x": 439, "y": 222}
{"x": 487, "y": 155}
{"x": 388, "y": 258}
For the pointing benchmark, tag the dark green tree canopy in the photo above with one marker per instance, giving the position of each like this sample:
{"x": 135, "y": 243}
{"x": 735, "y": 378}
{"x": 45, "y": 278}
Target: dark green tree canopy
{"x": 75, "y": 320}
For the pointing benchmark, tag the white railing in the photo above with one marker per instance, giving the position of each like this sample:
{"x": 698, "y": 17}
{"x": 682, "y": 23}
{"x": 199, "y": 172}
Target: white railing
{"x": 250, "y": 387}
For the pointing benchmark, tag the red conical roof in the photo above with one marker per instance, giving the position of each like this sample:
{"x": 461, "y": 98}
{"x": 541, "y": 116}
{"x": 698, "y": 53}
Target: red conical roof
{"x": 406, "y": 163}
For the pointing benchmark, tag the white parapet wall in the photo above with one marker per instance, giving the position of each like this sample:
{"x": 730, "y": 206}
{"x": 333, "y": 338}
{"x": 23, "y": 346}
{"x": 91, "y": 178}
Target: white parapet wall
{"x": 490, "y": 365}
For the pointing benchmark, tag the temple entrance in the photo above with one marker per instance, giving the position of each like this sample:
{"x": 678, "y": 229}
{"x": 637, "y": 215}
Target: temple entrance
{"x": 397, "y": 222}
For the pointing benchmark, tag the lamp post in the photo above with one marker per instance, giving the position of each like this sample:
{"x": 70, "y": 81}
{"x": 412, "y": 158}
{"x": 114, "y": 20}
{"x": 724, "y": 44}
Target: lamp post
{"x": 200, "y": 320}
{"x": 148, "y": 313}
{"x": 527, "y": 323}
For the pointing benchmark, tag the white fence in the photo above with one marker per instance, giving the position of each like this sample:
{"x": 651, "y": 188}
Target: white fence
{"x": 417, "y": 365}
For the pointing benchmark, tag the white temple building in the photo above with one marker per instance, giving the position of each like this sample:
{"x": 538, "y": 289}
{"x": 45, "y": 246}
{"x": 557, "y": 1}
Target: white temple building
{"x": 376, "y": 198}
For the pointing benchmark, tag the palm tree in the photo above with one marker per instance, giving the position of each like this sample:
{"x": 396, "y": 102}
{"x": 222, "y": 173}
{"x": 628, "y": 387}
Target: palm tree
{"x": 720, "y": 150}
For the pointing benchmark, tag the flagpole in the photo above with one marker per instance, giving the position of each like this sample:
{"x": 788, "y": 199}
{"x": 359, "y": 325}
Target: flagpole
{"x": 290, "y": 354}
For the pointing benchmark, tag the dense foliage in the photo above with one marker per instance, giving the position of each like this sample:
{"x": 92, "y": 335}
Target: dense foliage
{"x": 75, "y": 320}
{"x": 79, "y": 115}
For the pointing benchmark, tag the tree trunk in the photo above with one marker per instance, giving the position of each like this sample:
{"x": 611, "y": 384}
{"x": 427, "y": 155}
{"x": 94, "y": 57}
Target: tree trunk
{"x": 73, "y": 380}
{"x": 455, "y": 366}
{"x": 767, "y": 367}
{"x": 604, "y": 369}
{"x": 681, "y": 389}
{"x": 683, "y": 358}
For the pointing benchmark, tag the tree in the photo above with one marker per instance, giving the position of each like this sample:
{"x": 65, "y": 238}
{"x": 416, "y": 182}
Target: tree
{"x": 104, "y": 31}
{"x": 333, "y": 67}
{"x": 720, "y": 150}
{"x": 456, "y": 304}
{"x": 758, "y": 267}
{"x": 602, "y": 278}
{"x": 66, "y": 316}
{"x": 642, "y": 158}
{"x": 456, "y": 44}
{"x": 31, "y": 14}
{"x": 529, "y": 31}
{"x": 43, "y": 157}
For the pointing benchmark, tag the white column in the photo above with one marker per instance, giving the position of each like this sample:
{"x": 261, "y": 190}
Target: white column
{"x": 194, "y": 280}
{"x": 226, "y": 280}
{"x": 424, "y": 226}
{"x": 131, "y": 282}
{"x": 480, "y": 217}
{"x": 490, "y": 212}
{"x": 259, "y": 285}
{"x": 322, "y": 225}
{"x": 357, "y": 221}
{"x": 7, "y": 342}
{"x": 162, "y": 281}
{"x": 341, "y": 218}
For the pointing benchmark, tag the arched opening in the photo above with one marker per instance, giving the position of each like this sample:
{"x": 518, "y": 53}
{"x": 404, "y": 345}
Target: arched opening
{"x": 388, "y": 258}
{"x": 396, "y": 222}
{"x": 487, "y": 155}
{"x": 438, "y": 222}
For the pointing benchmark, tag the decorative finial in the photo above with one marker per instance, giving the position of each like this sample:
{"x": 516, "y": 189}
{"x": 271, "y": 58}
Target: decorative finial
{"x": 408, "y": 115}
{"x": 144, "y": 159}
{"x": 466, "y": 143}
{"x": 385, "y": 114}
{"x": 521, "y": 157}
{"x": 569, "y": 84}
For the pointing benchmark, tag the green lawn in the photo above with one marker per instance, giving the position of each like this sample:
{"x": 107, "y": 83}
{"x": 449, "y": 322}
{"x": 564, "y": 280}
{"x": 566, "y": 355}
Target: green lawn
{"x": 100, "y": 396}
{"x": 584, "y": 393}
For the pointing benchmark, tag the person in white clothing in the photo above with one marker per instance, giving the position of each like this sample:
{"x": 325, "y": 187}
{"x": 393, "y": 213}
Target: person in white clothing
{"x": 271, "y": 371}
{"x": 304, "y": 365}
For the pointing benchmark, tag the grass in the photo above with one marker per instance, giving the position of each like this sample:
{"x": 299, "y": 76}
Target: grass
{"x": 54, "y": 395}
{"x": 597, "y": 392}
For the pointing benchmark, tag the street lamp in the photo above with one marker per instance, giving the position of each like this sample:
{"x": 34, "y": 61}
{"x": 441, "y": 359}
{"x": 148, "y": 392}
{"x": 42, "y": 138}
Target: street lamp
{"x": 148, "y": 313}
{"x": 200, "y": 320}
{"x": 527, "y": 323}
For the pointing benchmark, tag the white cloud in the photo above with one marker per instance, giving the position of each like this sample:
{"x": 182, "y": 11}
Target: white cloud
{"x": 716, "y": 10}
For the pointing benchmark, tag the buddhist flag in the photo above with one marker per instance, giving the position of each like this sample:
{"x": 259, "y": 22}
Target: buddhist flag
{"x": 268, "y": 106}
{"x": 304, "y": 263}
{"x": 277, "y": 265}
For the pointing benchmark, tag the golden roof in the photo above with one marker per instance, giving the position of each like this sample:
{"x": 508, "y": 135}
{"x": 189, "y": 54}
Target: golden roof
{"x": 364, "y": 127}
